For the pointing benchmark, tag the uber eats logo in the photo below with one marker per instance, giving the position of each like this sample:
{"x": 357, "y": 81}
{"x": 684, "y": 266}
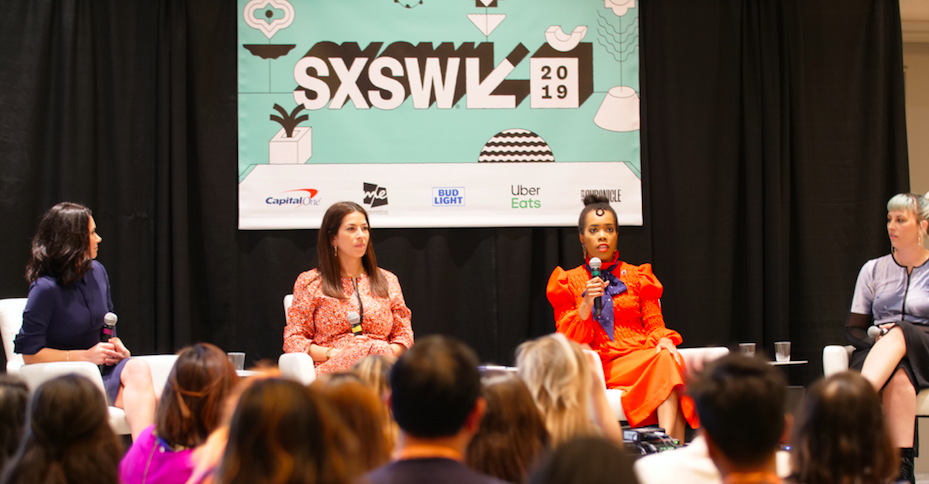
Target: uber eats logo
{"x": 523, "y": 197}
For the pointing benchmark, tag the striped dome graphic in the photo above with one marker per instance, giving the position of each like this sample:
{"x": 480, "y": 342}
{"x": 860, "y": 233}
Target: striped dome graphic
{"x": 515, "y": 146}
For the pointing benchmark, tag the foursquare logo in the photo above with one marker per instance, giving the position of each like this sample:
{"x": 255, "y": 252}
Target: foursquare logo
{"x": 448, "y": 196}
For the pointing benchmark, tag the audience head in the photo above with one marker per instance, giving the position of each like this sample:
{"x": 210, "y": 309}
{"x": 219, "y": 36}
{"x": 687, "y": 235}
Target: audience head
{"x": 558, "y": 376}
{"x": 512, "y": 434}
{"x": 191, "y": 404}
{"x": 68, "y": 437}
{"x": 585, "y": 460}
{"x": 14, "y": 396}
{"x": 436, "y": 388}
{"x": 374, "y": 370}
{"x": 363, "y": 413}
{"x": 740, "y": 402}
{"x": 842, "y": 435}
{"x": 282, "y": 432}
{"x": 61, "y": 246}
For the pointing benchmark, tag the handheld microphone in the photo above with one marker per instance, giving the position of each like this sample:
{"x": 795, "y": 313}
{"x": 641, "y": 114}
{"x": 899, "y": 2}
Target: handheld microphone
{"x": 109, "y": 326}
{"x": 595, "y": 264}
{"x": 355, "y": 321}
{"x": 875, "y": 331}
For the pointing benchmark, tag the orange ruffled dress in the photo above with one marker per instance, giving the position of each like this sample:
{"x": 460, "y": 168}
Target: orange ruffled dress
{"x": 317, "y": 318}
{"x": 630, "y": 362}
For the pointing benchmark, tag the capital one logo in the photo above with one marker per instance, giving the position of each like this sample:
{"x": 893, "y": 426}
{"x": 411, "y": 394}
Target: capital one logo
{"x": 375, "y": 196}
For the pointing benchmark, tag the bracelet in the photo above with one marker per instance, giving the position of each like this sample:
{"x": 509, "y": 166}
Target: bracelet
{"x": 68, "y": 355}
{"x": 328, "y": 353}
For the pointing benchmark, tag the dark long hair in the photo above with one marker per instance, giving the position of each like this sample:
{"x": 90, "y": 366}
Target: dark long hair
{"x": 593, "y": 202}
{"x": 191, "y": 404}
{"x": 285, "y": 433}
{"x": 842, "y": 435}
{"x": 329, "y": 266}
{"x": 512, "y": 435}
{"x": 14, "y": 396}
{"x": 59, "y": 248}
{"x": 68, "y": 438}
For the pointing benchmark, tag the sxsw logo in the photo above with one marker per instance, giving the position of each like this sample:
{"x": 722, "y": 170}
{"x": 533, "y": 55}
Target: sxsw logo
{"x": 448, "y": 196}
{"x": 375, "y": 196}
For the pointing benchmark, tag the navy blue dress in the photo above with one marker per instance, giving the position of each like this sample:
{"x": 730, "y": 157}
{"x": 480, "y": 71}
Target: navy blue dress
{"x": 69, "y": 318}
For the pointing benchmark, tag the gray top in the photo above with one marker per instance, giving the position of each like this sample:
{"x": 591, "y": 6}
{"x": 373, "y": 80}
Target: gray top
{"x": 888, "y": 294}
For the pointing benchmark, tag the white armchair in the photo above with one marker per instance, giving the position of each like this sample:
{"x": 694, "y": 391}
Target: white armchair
{"x": 296, "y": 366}
{"x": 11, "y": 320}
{"x": 694, "y": 359}
{"x": 836, "y": 358}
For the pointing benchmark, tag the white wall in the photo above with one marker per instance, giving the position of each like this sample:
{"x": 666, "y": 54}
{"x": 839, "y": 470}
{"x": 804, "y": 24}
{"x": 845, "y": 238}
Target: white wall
{"x": 916, "y": 65}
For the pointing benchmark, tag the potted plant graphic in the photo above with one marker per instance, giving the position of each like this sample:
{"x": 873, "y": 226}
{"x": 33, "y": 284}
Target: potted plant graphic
{"x": 292, "y": 144}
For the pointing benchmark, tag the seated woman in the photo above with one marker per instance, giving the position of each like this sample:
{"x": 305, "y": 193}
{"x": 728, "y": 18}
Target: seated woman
{"x": 68, "y": 437}
{"x": 190, "y": 408}
{"x": 512, "y": 435}
{"x": 893, "y": 292}
{"x": 347, "y": 280}
{"x": 841, "y": 434}
{"x": 566, "y": 386}
{"x": 69, "y": 295}
{"x": 638, "y": 352}
{"x": 286, "y": 433}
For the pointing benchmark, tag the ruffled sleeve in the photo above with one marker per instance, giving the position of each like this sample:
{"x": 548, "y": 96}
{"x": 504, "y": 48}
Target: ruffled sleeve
{"x": 301, "y": 329}
{"x": 563, "y": 296}
{"x": 650, "y": 291}
{"x": 402, "y": 330}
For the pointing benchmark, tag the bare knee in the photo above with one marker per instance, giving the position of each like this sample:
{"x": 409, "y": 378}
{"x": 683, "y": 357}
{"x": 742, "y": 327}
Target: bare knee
{"x": 136, "y": 373}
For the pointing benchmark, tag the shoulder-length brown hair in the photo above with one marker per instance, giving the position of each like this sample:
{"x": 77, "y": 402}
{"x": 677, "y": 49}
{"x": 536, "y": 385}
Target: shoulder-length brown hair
{"x": 191, "y": 404}
{"x": 285, "y": 433}
{"x": 329, "y": 267}
{"x": 512, "y": 435}
{"x": 60, "y": 245}
{"x": 68, "y": 436}
{"x": 842, "y": 435}
{"x": 363, "y": 413}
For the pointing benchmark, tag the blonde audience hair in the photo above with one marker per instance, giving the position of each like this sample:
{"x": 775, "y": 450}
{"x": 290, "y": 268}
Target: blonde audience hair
{"x": 559, "y": 379}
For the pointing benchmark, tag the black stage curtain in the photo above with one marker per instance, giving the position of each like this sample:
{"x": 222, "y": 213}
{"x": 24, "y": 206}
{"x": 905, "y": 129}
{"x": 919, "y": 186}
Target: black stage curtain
{"x": 773, "y": 133}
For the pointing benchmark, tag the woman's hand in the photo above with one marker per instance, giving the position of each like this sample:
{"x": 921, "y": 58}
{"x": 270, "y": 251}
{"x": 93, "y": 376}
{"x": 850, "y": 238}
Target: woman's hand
{"x": 593, "y": 290}
{"x": 885, "y": 327}
{"x": 356, "y": 340}
{"x": 102, "y": 354}
{"x": 665, "y": 343}
{"x": 121, "y": 351}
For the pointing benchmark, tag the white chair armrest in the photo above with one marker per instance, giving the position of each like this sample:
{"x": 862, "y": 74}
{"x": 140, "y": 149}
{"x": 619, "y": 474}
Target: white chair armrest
{"x": 835, "y": 359}
{"x": 39, "y": 373}
{"x": 160, "y": 366}
{"x": 696, "y": 358}
{"x": 288, "y": 300}
{"x": 298, "y": 367}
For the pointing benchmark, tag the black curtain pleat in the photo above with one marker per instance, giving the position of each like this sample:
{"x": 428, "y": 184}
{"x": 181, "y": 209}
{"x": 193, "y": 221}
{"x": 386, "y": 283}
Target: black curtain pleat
{"x": 773, "y": 132}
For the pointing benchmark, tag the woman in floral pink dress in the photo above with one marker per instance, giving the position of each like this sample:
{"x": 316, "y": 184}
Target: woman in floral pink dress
{"x": 347, "y": 280}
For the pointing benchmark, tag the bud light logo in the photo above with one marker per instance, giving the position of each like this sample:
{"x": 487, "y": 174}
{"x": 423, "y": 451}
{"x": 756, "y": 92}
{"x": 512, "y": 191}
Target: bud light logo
{"x": 375, "y": 196}
{"x": 300, "y": 197}
{"x": 448, "y": 196}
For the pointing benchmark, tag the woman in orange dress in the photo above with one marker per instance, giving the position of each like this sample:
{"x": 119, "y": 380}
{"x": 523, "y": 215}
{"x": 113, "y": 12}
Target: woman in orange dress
{"x": 347, "y": 280}
{"x": 638, "y": 352}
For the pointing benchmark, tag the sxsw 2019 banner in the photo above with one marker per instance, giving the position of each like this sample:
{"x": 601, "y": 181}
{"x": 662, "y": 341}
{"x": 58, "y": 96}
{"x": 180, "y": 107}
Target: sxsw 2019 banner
{"x": 437, "y": 113}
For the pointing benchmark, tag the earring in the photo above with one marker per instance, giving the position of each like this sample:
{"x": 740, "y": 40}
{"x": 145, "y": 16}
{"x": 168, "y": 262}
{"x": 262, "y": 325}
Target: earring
{"x": 335, "y": 251}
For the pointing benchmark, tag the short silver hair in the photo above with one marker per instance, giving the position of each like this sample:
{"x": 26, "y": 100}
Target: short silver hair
{"x": 911, "y": 202}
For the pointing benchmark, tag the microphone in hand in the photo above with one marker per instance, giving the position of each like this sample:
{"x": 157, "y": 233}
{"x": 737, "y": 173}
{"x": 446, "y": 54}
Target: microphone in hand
{"x": 595, "y": 264}
{"x": 109, "y": 326}
{"x": 875, "y": 331}
{"x": 355, "y": 321}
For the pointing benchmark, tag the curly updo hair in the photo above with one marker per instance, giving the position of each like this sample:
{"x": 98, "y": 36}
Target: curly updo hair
{"x": 593, "y": 202}
{"x": 60, "y": 246}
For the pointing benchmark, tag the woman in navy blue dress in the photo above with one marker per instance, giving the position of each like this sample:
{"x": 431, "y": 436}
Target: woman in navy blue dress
{"x": 68, "y": 298}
